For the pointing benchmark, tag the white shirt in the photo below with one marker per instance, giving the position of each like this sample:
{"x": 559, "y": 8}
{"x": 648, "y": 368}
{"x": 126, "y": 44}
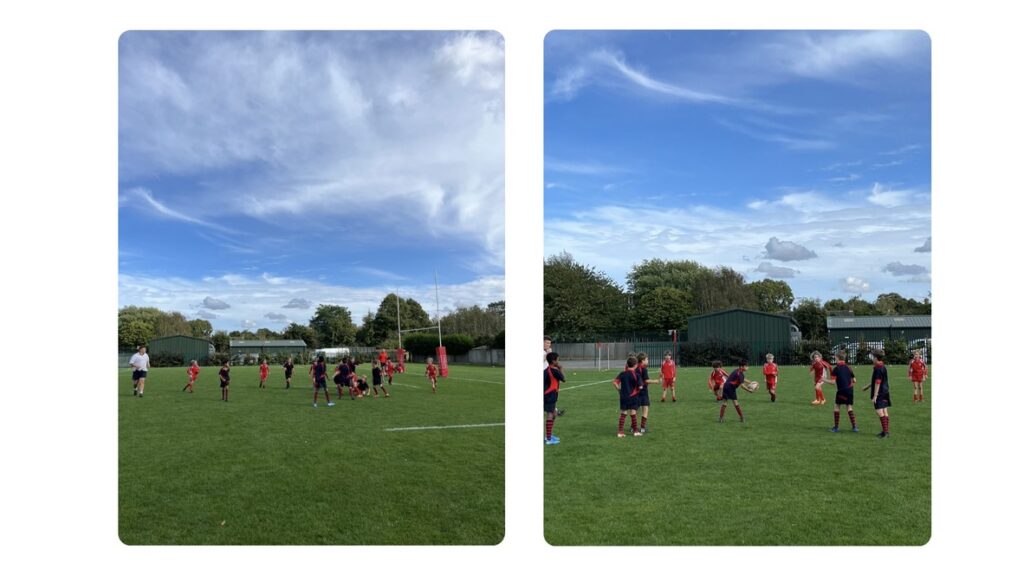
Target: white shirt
{"x": 140, "y": 361}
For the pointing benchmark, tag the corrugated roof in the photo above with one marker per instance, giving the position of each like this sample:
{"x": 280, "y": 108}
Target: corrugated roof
{"x": 267, "y": 343}
{"x": 731, "y": 310}
{"x": 861, "y": 322}
{"x": 207, "y": 340}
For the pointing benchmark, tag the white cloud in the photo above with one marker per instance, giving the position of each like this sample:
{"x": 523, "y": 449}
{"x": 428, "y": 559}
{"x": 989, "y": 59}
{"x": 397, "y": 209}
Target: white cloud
{"x": 786, "y": 251}
{"x": 839, "y": 56}
{"x": 772, "y": 271}
{"x": 854, "y": 285}
{"x": 889, "y": 198}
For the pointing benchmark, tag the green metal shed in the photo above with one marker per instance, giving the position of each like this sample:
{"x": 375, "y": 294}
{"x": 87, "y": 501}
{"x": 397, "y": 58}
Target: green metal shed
{"x": 189, "y": 347}
{"x": 878, "y": 328}
{"x": 267, "y": 347}
{"x": 764, "y": 332}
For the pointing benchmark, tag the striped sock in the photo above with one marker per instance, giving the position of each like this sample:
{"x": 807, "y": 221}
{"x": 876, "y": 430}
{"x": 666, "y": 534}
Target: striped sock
{"x": 739, "y": 411}
{"x": 881, "y": 419}
{"x": 643, "y": 423}
{"x": 885, "y": 424}
{"x": 622, "y": 422}
{"x": 853, "y": 419}
{"x": 551, "y": 424}
{"x": 721, "y": 413}
{"x": 632, "y": 418}
{"x": 835, "y": 417}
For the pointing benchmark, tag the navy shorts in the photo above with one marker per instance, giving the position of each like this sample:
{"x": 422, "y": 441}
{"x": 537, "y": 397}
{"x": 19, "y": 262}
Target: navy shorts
{"x": 883, "y": 401}
{"x": 321, "y": 382}
{"x": 137, "y": 374}
{"x": 287, "y": 373}
{"x": 644, "y": 398}
{"x": 225, "y": 383}
{"x": 729, "y": 392}
{"x": 338, "y": 380}
{"x": 550, "y": 399}
{"x": 629, "y": 402}
{"x": 844, "y": 396}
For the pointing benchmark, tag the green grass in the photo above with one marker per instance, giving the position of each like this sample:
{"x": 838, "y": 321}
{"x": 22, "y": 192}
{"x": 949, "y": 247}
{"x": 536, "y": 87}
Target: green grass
{"x": 781, "y": 478}
{"x": 268, "y": 468}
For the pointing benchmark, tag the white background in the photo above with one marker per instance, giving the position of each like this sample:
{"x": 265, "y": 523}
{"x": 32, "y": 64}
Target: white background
{"x": 58, "y": 415}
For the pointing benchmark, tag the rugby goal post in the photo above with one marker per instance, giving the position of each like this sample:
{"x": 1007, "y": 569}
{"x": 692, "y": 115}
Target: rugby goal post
{"x": 603, "y": 358}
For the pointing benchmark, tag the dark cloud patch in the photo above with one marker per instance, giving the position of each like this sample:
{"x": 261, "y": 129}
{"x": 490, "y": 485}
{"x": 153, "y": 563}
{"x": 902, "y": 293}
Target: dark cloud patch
{"x": 900, "y": 269}
{"x": 207, "y": 315}
{"x": 213, "y": 304}
{"x": 786, "y": 251}
{"x": 276, "y": 316}
{"x": 298, "y": 303}
{"x": 775, "y": 271}
{"x": 926, "y": 247}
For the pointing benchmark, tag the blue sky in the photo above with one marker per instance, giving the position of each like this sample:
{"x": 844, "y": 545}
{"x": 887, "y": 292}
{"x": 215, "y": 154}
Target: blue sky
{"x": 800, "y": 155}
{"x": 262, "y": 174}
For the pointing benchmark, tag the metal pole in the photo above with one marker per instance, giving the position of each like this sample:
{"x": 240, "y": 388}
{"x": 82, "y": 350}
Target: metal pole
{"x": 398, "y": 304}
{"x": 437, "y": 308}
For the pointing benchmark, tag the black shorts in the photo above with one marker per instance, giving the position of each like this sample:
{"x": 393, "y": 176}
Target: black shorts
{"x": 644, "y": 398}
{"x": 729, "y": 392}
{"x": 320, "y": 382}
{"x": 287, "y": 373}
{"x": 628, "y": 402}
{"x": 550, "y": 399}
{"x": 225, "y": 383}
{"x": 844, "y": 396}
{"x": 883, "y": 401}
{"x": 138, "y": 374}
{"x": 338, "y": 379}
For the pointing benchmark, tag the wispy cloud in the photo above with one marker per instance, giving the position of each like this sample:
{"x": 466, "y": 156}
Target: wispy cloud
{"x": 902, "y": 150}
{"x": 790, "y": 141}
{"x": 889, "y": 198}
{"x": 900, "y": 269}
{"x": 772, "y": 271}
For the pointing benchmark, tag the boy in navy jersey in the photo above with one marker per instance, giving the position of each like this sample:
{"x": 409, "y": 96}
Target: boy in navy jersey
{"x": 628, "y": 385}
{"x": 552, "y": 377}
{"x": 842, "y": 376}
{"x": 644, "y": 396}
{"x": 225, "y": 380}
{"x": 734, "y": 381}
{"x": 289, "y": 366}
{"x": 378, "y": 380}
{"x": 343, "y": 377}
{"x": 319, "y": 371}
{"x": 880, "y": 391}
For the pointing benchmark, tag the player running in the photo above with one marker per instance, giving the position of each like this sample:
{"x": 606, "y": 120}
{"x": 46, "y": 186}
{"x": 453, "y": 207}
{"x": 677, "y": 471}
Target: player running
{"x": 771, "y": 374}
{"x": 819, "y": 370}
{"x": 193, "y": 373}
{"x": 734, "y": 381}
{"x": 264, "y": 373}
{"x": 432, "y": 374}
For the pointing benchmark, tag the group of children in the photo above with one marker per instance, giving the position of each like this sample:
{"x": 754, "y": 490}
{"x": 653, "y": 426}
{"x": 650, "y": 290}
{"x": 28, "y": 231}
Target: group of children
{"x": 345, "y": 377}
{"x": 633, "y": 382}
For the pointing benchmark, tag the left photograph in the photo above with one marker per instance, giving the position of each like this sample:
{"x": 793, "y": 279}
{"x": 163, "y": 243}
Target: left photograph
{"x": 311, "y": 288}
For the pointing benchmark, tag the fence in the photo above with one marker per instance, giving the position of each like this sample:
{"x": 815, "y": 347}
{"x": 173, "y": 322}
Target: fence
{"x": 486, "y": 357}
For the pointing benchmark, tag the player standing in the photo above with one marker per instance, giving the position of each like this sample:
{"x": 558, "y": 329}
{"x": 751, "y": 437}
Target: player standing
{"x": 140, "y": 367}
{"x": 432, "y": 374}
{"x": 771, "y": 374}
{"x": 918, "y": 371}
{"x": 844, "y": 379}
{"x": 644, "y": 396}
{"x": 343, "y": 378}
{"x": 378, "y": 380}
{"x": 668, "y": 376}
{"x": 225, "y": 379}
{"x": 880, "y": 391}
{"x": 264, "y": 372}
{"x": 193, "y": 373}
{"x": 819, "y": 370}
{"x": 389, "y": 369}
{"x": 628, "y": 386}
{"x": 717, "y": 379}
{"x": 552, "y": 376}
{"x": 734, "y": 381}
{"x": 319, "y": 372}
{"x": 289, "y": 366}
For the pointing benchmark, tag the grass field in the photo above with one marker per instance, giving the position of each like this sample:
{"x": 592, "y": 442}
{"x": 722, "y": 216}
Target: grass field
{"x": 268, "y": 468}
{"x": 780, "y": 478}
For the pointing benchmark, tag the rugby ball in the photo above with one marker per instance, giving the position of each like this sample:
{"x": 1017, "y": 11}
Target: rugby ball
{"x": 752, "y": 386}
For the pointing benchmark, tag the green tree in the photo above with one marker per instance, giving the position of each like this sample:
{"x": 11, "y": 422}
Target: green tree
{"x": 200, "y": 328}
{"x": 811, "y": 319}
{"x": 133, "y": 332}
{"x": 299, "y": 332}
{"x": 721, "y": 289}
{"x": 385, "y": 321}
{"x": 221, "y": 341}
{"x": 650, "y": 275}
{"x": 497, "y": 308}
{"x": 581, "y": 302}
{"x": 662, "y": 308}
{"x": 333, "y": 326}
{"x": 364, "y": 335}
{"x": 267, "y": 334}
{"x": 473, "y": 321}
{"x": 172, "y": 324}
{"x": 773, "y": 296}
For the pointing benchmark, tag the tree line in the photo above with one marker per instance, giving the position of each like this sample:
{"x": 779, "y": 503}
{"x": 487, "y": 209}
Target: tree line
{"x": 329, "y": 326}
{"x": 582, "y": 303}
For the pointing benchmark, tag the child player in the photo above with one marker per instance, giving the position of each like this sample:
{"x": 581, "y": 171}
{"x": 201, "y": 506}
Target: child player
{"x": 734, "y": 381}
{"x": 289, "y": 367}
{"x": 552, "y": 376}
{"x": 193, "y": 373}
{"x": 378, "y": 380}
{"x": 432, "y": 374}
{"x": 771, "y": 374}
{"x": 918, "y": 371}
{"x": 389, "y": 369}
{"x": 628, "y": 386}
{"x": 382, "y": 357}
{"x": 880, "y": 391}
{"x": 819, "y": 370}
{"x": 343, "y": 378}
{"x": 264, "y": 372}
{"x": 717, "y": 379}
{"x": 844, "y": 379}
{"x": 644, "y": 396}
{"x": 225, "y": 380}
{"x": 668, "y": 376}
{"x": 319, "y": 371}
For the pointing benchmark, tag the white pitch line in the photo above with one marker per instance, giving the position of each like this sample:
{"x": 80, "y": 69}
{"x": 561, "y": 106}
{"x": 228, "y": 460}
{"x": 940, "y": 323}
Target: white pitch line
{"x": 474, "y": 380}
{"x": 400, "y": 384}
{"x": 443, "y": 427}
{"x": 587, "y": 384}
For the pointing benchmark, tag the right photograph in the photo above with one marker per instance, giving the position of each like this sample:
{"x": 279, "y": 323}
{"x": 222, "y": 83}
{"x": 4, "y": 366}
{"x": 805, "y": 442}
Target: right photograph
{"x": 737, "y": 288}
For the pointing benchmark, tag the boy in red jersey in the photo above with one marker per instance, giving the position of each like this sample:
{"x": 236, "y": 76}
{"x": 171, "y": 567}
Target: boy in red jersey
{"x": 432, "y": 374}
{"x": 193, "y": 373}
{"x": 734, "y": 381}
{"x": 819, "y": 370}
{"x": 382, "y": 357}
{"x": 264, "y": 372}
{"x": 552, "y": 376}
{"x": 628, "y": 385}
{"x": 225, "y": 380}
{"x": 668, "y": 376}
{"x": 717, "y": 379}
{"x": 389, "y": 369}
{"x": 918, "y": 371}
{"x": 842, "y": 376}
{"x": 771, "y": 374}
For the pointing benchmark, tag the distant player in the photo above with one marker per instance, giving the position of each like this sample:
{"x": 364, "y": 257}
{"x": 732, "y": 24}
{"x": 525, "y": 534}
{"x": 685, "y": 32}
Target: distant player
{"x": 193, "y": 373}
{"x": 382, "y": 357}
{"x": 432, "y": 374}
{"x": 644, "y": 396}
{"x": 717, "y": 379}
{"x": 264, "y": 373}
{"x": 547, "y": 349}
{"x": 917, "y": 371}
{"x": 552, "y": 377}
{"x": 844, "y": 380}
{"x": 319, "y": 372}
{"x": 734, "y": 381}
{"x": 378, "y": 380}
{"x": 389, "y": 369}
{"x": 361, "y": 386}
{"x": 819, "y": 371}
{"x": 628, "y": 386}
{"x": 668, "y": 376}
{"x": 343, "y": 378}
{"x": 225, "y": 379}
{"x": 289, "y": 367}
{"x": 880, "y": 391}
{"x": 140, "y": 367}
{"x": 771, "y": 374}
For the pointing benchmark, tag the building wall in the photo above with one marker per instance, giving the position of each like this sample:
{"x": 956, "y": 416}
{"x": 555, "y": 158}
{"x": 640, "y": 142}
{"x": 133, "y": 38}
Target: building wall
{"x": 189, "y": 348}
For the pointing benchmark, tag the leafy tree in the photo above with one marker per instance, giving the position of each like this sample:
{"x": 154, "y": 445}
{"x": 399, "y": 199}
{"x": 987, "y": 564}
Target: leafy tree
{"x": 299, "y": 332}
{"x": 385, "y": 321}
{"x": 200, "y": 328}
{"x": 581, "y": 302}
{"x": 662, "y": 308}
{"x": 499, "y": 341}
{"x": 243, "y": 334}
{"x": 221, "y": 341}
{"x": 364, "y": 335}
{"x": 497, "y": 308}
{"x": 811, "y": 319}
{"x": 773, "y": 296}
{"x": 133, "y": 332}
{"x": 333, "y": 325}
{"x": 267, "y": 334}
{"x": 473, "y": 321}
{"x": 721, "y": 289}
